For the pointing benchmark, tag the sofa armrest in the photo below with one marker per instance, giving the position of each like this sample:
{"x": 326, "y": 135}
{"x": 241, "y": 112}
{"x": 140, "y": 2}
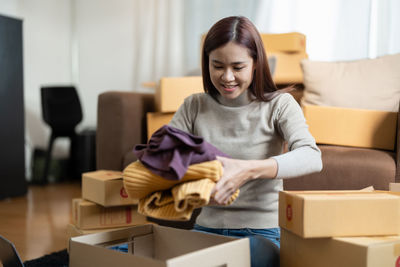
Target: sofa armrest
{"x": 397, "y": 177}
{"x": 121, "y": 124}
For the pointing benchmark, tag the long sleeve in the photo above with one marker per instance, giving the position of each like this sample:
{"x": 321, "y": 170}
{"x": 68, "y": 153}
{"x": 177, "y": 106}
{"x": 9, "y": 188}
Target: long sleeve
{"x": 304, "y": 157}
{"x": 183, "y": 118}
{"x": 255, "y": 130}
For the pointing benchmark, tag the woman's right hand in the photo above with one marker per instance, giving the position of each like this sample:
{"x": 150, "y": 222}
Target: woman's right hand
{"x": 237, "y": 172}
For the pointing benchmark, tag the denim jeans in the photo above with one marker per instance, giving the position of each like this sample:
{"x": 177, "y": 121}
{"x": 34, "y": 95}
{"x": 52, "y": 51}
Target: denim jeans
{"x": 264, "y": 243}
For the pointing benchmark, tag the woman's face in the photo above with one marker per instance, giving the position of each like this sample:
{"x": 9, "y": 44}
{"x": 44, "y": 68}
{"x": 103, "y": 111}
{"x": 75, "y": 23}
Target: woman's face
{"x": 231, "y": 69}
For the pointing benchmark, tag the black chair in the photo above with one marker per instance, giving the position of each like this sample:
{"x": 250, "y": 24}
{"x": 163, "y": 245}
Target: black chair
{"x": 8, "y": 254}
{"x": 62, "y": 111}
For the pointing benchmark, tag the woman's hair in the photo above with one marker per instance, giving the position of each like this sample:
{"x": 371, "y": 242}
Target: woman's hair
{"x": 242, "y": 31}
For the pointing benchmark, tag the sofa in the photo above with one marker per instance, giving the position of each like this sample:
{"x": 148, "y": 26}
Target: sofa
{"x": 121, "y": 124}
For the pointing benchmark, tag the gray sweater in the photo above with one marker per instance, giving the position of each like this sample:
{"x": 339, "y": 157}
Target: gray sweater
{"x": 249, "y": 129}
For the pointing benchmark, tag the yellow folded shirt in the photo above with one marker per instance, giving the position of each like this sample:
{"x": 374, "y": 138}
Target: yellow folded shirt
{"x": 140, "y": 181}
{"x": 172, "y": 200}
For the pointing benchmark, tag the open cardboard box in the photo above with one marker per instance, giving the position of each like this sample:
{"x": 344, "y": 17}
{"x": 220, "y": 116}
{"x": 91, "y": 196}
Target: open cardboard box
{"x": 153, "y": 245}
{"x": 73, "y": 230}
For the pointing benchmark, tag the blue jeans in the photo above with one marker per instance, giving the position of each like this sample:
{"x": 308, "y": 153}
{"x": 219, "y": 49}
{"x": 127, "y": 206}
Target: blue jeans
{"x": 264, "y": 243}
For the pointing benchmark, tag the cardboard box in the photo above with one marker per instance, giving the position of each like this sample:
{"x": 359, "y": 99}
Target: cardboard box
{"x": 172, "y": 91}
{"x": 287, "y": 68}
{"x": 88, "y": 215}
{"x": 352, "y": 127}
{"x": 383, "y": 251}
{"x": 73, "y": 230}
{"x": 339, "y": 213}
{"x": 105, "y": 188}
{"x": 154, "y": 246}
{"x": 395, "y": 187}
{"x": 284, "y": 42}
{"x": 155, "y": 120}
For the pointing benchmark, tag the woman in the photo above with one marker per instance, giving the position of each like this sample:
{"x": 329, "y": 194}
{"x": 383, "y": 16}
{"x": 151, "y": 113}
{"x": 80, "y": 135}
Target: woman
{"x": 244, "y": 115}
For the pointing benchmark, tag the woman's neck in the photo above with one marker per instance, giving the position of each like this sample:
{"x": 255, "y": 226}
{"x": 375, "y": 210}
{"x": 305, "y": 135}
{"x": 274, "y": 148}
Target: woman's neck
{"x": 242, "y": 100}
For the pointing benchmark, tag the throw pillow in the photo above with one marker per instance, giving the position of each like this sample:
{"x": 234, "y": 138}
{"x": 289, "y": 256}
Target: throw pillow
{"x": 364, "y": 84}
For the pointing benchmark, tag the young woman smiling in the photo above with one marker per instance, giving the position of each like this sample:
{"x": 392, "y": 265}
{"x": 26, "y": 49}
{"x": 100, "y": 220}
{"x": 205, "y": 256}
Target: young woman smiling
{"x": 243, "y": 114}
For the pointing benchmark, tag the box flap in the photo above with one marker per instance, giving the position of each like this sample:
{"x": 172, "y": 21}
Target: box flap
{"x": 103, "y": 175}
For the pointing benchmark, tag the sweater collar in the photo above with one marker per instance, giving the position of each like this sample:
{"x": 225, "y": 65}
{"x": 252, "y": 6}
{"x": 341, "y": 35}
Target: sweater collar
{"x": 242, "y": 100}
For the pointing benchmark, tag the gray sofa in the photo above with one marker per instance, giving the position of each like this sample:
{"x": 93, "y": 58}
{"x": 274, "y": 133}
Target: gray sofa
{"x": 121, "y": 124}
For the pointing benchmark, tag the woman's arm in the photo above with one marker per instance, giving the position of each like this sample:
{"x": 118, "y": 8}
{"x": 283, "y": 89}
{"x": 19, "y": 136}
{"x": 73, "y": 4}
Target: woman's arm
{"x": 303, "y": 156}
{"x": 184, "y": 116}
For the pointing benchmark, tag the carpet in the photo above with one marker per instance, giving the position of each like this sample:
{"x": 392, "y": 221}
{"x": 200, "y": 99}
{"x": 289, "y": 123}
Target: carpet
{"x": 55, "y": 259}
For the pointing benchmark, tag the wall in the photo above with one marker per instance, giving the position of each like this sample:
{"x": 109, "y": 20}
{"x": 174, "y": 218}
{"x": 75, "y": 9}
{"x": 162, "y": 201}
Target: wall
{"x": 105, "y": 54}
{"x": 47, "y": 59}
{"x": 89, "y": 43}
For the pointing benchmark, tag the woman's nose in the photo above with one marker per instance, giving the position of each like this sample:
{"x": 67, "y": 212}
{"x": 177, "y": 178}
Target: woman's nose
{"x": 228, "y": 76}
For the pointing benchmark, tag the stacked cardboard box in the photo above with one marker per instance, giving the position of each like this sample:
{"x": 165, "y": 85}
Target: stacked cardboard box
{"x": 288, "y": 49}
{"x": 106, "y": 230}
{"x": 339, "y": 228}
{"x": 352, "y": 127}
{"x": 169, "y": 96}
{"x": 104, "y": 204}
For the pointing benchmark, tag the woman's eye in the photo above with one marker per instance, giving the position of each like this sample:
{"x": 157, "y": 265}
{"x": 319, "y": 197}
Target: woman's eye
{"x": 217, "y": 67}
{"x": 238, "y": 68}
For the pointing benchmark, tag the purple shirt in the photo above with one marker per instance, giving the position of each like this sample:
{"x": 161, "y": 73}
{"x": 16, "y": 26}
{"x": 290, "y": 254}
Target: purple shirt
{"x": 170, "y": 151}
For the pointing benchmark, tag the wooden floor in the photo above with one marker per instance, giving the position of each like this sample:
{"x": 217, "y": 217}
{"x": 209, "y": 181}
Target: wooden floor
{"x": 36, "y": 223}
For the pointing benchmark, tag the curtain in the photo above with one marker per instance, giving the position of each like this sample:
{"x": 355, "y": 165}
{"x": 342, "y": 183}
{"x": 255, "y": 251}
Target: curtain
{"x": 384, "y": 27}
{"x": 158, "y": 40}
{"x": 168, "y": 37}
{"x": 168, "y": 34}
{"x": 336, "y": 29}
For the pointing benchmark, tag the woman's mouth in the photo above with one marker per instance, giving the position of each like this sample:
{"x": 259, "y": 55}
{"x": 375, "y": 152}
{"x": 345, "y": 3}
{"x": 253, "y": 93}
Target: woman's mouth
{"x": 229, "y": 87}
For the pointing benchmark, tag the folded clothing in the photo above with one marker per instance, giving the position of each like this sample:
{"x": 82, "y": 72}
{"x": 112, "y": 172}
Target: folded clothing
{"x": 168, "y": 199}
{"x": 170, "y": 151}
{"x": 139, "y": 181}
{"x": 179, "y": 206}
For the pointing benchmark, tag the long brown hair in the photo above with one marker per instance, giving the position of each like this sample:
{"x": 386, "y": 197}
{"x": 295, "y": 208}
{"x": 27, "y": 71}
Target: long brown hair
{"x": 243, "y": 32}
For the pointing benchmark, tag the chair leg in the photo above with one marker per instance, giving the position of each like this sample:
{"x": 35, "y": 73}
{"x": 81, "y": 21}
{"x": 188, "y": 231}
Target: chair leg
{"x": 48, "y": 159}
{"x": 73, "y": 159}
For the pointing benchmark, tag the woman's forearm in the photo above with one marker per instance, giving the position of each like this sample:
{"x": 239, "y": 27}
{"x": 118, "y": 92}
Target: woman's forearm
{"x": 266, "y": 168}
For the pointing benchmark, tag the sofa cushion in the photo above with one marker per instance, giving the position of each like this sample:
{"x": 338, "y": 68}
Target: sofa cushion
{"x": 128, "y": 158}
{"x": 348, "y": 168}
{"x": 364, "y": 84}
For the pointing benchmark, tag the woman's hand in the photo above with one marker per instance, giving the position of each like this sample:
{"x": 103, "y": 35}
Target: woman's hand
{"x": 238, "y": 172}
{"x": 235, "y": 174}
